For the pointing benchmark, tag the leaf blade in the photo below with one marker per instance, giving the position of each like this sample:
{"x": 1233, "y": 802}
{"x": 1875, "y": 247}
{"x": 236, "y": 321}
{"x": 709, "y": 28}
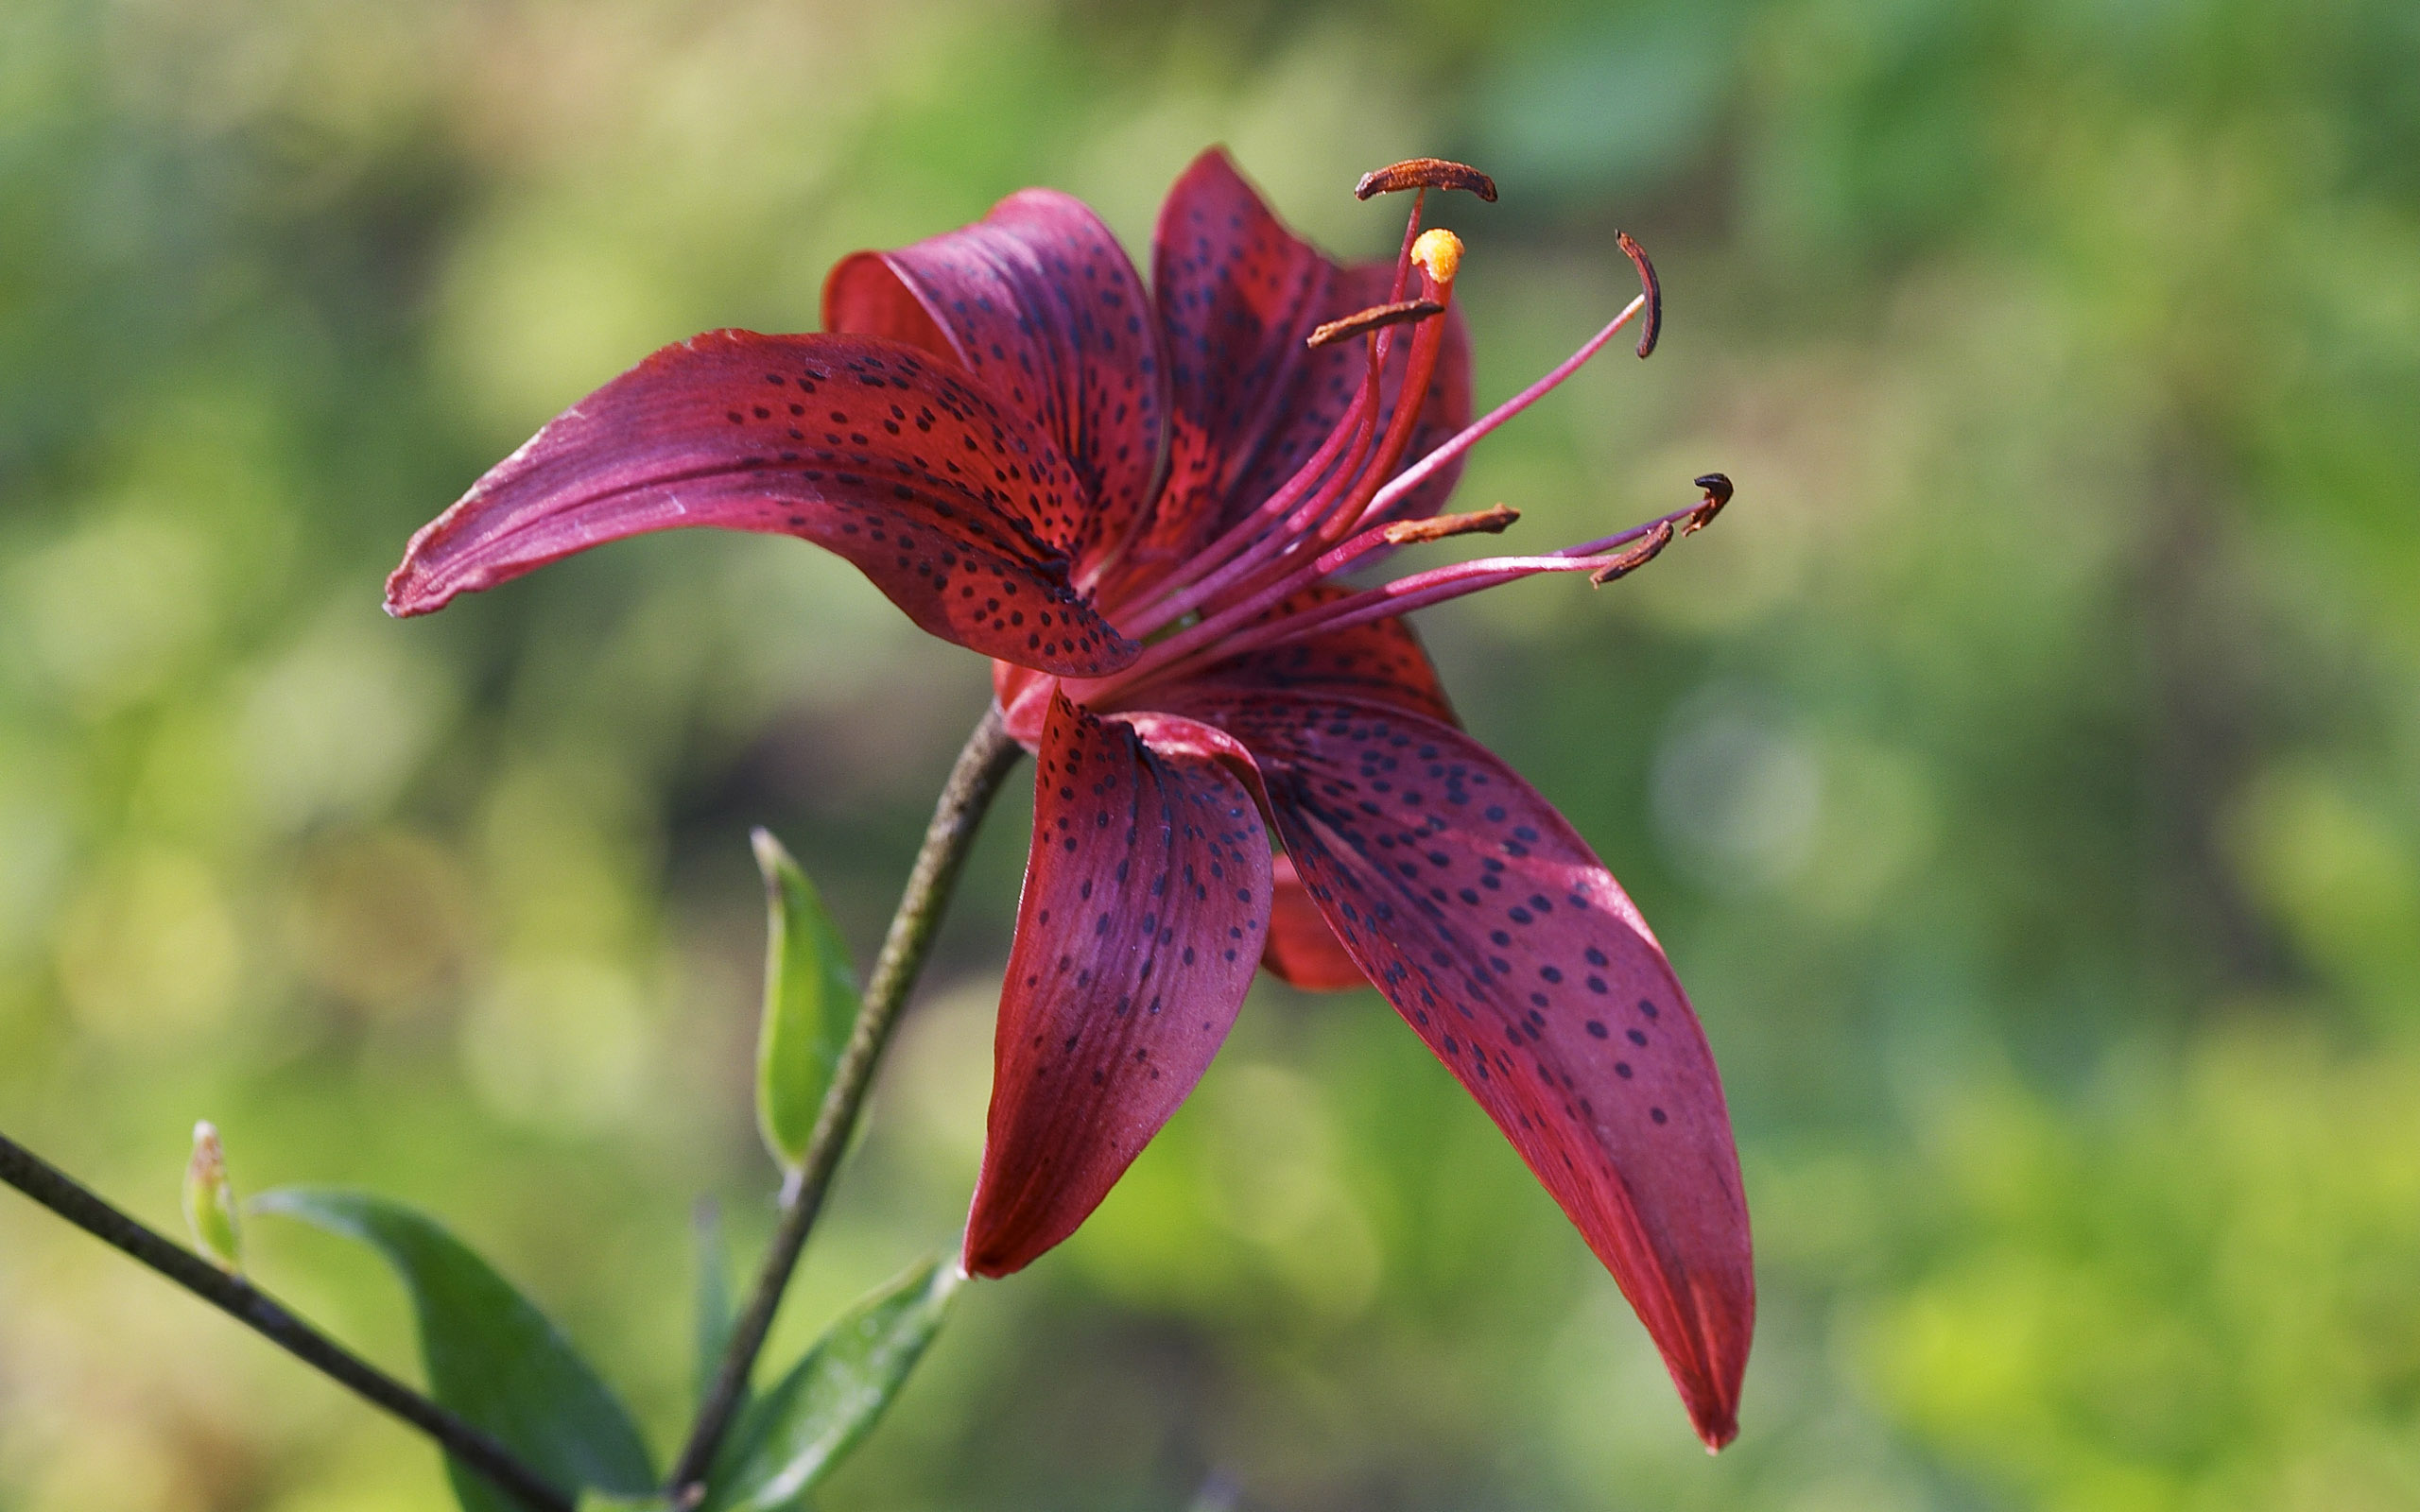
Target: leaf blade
{"x": 801, "y": 1429}
{"x": 811, "y": 1005}
{"x": 491, "y": 1355}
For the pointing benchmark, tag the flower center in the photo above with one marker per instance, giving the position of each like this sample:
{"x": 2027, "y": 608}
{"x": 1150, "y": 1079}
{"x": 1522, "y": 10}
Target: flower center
{"x": 1338, "y": 508}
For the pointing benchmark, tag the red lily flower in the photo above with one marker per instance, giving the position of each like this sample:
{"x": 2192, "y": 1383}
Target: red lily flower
{"x": 1139, "y": 504}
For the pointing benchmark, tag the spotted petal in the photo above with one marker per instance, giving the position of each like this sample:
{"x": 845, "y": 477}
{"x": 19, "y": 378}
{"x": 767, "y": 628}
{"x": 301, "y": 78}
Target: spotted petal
{"x": 1146, "y": 898}
{"x": 1301, "y": 950}
{"x": 1381, "y": 659}
{"x": 1238, "y": 292}
{"x": 1039, "y": 302}
{"x": 957, "y": 508}
{"x": 1505, "y": 943}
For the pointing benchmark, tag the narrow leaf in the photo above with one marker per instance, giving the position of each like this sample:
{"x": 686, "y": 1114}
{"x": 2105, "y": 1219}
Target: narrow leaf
{"x": 492, "y": 1356}
{"x": 809, "y": 1422}
{"x": 810, "y": 1004}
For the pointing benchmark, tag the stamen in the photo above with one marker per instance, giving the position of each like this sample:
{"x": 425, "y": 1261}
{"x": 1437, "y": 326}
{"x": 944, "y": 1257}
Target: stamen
{"x": 1654, "y": 292}
{"x": 1425, "y": 172}
{"x": 1273, "y": 527}
{"x": 1638, "y": 557}
{"x": 1491, "y": 521}
{"x": 1230, "y": 631}
{"x": 1718, "y": 493}
{"x": 1410, "y": 234}
{"x": 1412, "y": 476}
{"x": 1372, "y": 319}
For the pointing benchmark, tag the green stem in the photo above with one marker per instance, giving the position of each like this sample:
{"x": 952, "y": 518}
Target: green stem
{"x": 983, "y": 766}
{"x": 256, "y": 1310}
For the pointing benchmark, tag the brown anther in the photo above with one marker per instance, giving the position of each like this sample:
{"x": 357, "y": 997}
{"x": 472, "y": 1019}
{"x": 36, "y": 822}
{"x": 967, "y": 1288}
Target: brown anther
{"x": 1718, "y": 493}
{"x": 1372, "y": 318}
{"x": 1490, "y": 520}
{"x": 1654, "y": 292}
{"x": 1425, "y": 172}
{"x": 1641, "y": 552}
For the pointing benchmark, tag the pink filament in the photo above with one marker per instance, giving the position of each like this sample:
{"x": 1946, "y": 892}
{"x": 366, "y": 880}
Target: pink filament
{"x": 1334, "y": 510}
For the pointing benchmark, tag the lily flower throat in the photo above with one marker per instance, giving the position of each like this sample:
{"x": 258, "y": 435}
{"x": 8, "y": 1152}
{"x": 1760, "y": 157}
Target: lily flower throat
{"x": 1255, "y": 586}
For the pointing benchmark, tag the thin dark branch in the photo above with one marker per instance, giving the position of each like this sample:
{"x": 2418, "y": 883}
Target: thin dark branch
{"x": 255, "y": 1308}
{"x": 983, "y": 766}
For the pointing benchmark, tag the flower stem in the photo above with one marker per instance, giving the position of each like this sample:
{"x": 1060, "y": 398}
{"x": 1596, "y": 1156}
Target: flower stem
{"x": 255, "y": 1308}
{"x": 983, "y": 766}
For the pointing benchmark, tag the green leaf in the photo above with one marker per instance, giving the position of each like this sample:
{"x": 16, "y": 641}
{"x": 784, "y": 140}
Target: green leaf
{"x": 806, "y": 1425}
{"x": 492, "y": 1356}
{"x": 606, "y": 1502}
{"x": 810, "y": 1004}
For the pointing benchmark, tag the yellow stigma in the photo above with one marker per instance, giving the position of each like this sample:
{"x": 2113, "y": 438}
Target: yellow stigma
{"x": 1440, "y": 252}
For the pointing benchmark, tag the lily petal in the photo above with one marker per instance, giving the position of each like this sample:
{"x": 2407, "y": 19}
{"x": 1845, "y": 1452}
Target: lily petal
{"x": 1505, "y": 943}
{"x": 1238, "y": 293}
{"x": 1038, "y": 301}
{"x": 1303, "y": 952}
{"x": 957, "y": 509}
{"x": 1146, "y": 898}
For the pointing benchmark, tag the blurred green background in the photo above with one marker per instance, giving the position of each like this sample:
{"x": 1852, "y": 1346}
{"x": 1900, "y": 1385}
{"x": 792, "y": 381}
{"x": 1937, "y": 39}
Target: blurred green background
{"x": 2025, "y": 776}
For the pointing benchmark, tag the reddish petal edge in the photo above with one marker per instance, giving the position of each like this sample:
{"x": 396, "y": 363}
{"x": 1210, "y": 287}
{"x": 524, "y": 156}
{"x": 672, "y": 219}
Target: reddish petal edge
{"x": 957, "y": 509}
{"x": 1146, "y": 899}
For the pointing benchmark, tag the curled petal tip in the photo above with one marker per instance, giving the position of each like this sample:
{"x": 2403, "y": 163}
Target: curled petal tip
{"x": 1425, "y": 172}
{"x": 976, "y": 1264}
{"x": 1716, "y": 1427}
{"x": 407, "y": 594}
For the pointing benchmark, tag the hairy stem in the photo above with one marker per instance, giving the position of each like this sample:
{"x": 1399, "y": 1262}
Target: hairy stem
{"x": 255, "y": 1308}
{"x": 983, "y": 766}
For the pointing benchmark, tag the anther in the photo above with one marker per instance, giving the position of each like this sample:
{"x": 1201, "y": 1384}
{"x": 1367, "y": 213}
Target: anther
{"x": 1425, "y": 172}
{"x": 1638, "y": 556}
{"x": 1654, "y": 294}
{"x": 1439, "y": 252}
{"x": 1490, "y": 520}
{"x": 1372, "y": 319}
{"x": 1718, "y": 493}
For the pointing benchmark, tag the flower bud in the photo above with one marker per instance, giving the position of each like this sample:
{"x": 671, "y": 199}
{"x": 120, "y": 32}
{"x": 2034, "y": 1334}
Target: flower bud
{"x": 209, "y": 1202}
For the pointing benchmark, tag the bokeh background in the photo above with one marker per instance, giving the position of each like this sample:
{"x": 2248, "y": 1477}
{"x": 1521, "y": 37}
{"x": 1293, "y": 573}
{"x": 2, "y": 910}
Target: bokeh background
{"x": 2025, "y": 775}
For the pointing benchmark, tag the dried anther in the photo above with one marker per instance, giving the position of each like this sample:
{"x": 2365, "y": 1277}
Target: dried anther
{"x": 1636, "y": 556}
{"x": 1490, "y": 520}
{"x": 1718, "y": 493}
{"x": 1372, "y": 318}
{"x": 1425, "y": 172}
{"x": 1654, "y": 292}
